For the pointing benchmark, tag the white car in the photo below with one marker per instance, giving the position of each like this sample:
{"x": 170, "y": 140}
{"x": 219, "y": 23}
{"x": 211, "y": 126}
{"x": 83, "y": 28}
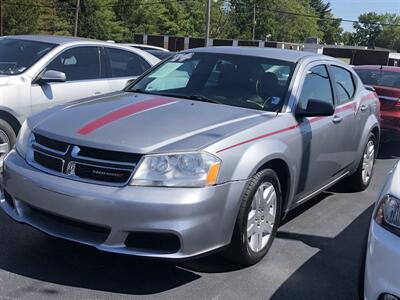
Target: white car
{"x": 146, "y": 47}
{"x": 38, "y": 72}
{"x": 382, "y": 263}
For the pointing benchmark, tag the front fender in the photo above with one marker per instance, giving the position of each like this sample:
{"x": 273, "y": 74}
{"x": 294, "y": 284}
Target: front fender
{"x": 243, "y": 162}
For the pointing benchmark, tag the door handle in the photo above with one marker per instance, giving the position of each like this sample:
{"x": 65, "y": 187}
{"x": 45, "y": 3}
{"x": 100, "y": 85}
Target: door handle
{"x": 97, "y": 93}
{"x": 337, "y": 119}
{"x": 363, "y": 107}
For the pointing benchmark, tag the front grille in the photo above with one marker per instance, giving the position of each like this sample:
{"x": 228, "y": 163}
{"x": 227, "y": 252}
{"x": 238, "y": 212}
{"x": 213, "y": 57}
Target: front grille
{"x": 82, "y": 163}
{"x": 49, "y": 162}
{"x": 52, "y": 144}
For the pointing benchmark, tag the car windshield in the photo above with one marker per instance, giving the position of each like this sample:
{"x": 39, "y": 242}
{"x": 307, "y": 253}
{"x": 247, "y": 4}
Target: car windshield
{"x": 16, "y": 55}
{"x": 379, "y": 77}
{"x": 235, "y": 80}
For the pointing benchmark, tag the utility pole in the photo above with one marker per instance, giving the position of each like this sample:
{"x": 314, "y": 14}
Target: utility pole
{"x": 78, "y": 6}
{"x": 1, "y": 18}
{"x": 208, "y": 16}
{"x": 254, "y": 21}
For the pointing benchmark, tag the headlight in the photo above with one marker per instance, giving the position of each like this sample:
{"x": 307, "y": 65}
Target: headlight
{"x": 196, "y": 169}
{"x": 23, "y": 139}
{"x": 388, "y": 214}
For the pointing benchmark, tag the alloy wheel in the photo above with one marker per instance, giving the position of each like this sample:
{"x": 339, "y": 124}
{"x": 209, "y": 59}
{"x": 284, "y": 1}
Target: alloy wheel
{"x": 261, "y": 217}
{"x": 368, "y": 162}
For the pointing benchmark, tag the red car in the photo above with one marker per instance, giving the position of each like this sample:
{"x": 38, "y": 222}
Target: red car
{"x": 386, "y": 82}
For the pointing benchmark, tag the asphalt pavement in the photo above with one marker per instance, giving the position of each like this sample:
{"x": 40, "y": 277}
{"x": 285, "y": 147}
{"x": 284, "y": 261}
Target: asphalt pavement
{"x": 317, "y": 255}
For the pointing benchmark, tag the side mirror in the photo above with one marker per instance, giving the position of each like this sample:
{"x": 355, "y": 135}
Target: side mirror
{"x": 52, "y": 76}
{"x": 316, "y": 108}
{"x": 130, "y": 81}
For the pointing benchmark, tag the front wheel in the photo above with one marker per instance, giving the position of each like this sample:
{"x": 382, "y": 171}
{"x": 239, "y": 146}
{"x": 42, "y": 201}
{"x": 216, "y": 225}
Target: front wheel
{"x": 258, "y": 219}
{"x": 361, "y": 179}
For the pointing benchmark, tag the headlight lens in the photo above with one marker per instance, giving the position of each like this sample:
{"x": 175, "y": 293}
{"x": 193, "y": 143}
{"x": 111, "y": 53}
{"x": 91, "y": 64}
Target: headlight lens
{"x": 388, "y": 214}
{"x": 196, "y": 169}
{"x": 23, "y": 138}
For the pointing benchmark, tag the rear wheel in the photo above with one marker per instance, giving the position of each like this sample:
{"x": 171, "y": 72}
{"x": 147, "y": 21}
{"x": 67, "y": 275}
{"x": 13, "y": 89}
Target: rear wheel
{"x": 361, "y": 179}
{"x": 258, "y": 219}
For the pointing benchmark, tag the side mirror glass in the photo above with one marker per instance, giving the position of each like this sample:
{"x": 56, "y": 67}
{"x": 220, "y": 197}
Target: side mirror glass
{"x": 52, "y": 76}
{"x": 316, "y": 108}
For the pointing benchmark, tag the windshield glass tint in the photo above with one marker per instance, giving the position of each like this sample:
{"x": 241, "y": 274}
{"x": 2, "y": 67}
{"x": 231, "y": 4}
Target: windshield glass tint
{"x": 236, "y": 80}
{"x": 380, "y": 78}
{"x": 17, "y": 55}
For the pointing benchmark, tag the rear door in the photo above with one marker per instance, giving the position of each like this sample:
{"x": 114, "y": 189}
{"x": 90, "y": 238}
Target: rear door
{"x": 84, "y": 78}
{"x": 123, "y": 67}
{"x": 346, "y": 121}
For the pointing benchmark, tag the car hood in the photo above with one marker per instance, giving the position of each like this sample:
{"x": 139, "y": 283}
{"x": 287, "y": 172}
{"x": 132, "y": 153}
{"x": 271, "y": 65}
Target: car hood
{"x": 4, "y": 79}
{"x": 144, "y": 123}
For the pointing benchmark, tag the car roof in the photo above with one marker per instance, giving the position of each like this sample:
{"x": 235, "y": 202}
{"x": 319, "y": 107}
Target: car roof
{"x": 52, "y": 39}
{"x": 273, "y": 53}
{"x": 377, "y": 67}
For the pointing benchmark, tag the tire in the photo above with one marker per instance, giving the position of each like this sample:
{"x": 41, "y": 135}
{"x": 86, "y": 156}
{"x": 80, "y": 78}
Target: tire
{"x": 357, "y": 181}
{"x": 248, "y": 250}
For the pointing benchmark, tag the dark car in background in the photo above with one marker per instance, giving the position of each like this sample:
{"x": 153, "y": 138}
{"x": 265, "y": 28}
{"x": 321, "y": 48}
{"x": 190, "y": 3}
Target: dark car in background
{"x": 386, "y": 82}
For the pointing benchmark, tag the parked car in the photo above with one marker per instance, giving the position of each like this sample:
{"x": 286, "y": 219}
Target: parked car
{"x": 38, "y": 72}
{"x": 177, "y": 168}
{"x": 146, "y": 47}
{"x": 160, "y": 54}
{"x": 386, "y": 82}
{"x": 382, "y": 261}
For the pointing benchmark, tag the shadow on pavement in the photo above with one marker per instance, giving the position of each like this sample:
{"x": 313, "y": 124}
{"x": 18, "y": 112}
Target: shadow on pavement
{"x": 389, "y": 150}
{"x": 32, "y": 254}
{"x": 332, "y": 273}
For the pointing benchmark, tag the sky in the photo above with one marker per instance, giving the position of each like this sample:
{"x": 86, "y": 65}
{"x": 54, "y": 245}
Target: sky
{"x": 351, "y": 9}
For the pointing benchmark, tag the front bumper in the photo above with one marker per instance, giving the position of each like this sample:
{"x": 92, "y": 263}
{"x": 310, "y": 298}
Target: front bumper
{"x": 104, "y": 217}
{"x": 382, "y": 263}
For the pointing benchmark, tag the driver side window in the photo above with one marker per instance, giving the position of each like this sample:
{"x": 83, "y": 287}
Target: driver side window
{"x": 80, "y": 63}
{"x": 317, "y": 85}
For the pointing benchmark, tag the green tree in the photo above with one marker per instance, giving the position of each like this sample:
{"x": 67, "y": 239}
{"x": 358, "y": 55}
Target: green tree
{"x": 269, "y": 16}
{"x": 390, "y": 35}
{"x": 348, "y": 38}
{"x": 368, "y": 28}
{"x": 21, "y": 17}
{"x": 331, "y": 28}
{"x": 52, "y": 20}
{"x": 97, "y": 19}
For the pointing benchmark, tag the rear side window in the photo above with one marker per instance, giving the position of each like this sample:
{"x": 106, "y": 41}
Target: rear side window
{"x": 80, "y": 63}
{"x": 125, "y": 64}
{"x": 317, "y": 86}
{"x": 344, "y": 84}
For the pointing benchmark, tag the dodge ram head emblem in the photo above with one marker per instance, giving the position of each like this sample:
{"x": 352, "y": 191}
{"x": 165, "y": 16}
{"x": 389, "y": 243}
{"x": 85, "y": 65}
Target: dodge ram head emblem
{"x": 71, "y": 168}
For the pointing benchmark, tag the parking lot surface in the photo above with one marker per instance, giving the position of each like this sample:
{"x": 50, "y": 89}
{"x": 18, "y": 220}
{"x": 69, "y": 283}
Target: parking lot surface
{"x": 317, "y": 255}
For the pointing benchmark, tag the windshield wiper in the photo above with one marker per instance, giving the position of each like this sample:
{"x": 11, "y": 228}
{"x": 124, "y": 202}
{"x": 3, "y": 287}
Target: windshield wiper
{"x": 141, "y": 91}
{"x": 201, "y": 98}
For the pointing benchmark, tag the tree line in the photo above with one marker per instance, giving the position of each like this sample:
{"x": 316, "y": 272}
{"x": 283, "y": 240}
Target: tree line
{"x": 278, "y": 20}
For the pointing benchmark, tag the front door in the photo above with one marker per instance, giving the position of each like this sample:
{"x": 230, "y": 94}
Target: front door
{"x": 320, "y": 135}
{"x": 84, "y": 78}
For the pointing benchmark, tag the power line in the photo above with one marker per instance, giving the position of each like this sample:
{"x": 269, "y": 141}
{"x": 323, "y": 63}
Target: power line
{"x": 147, "y": 3}
{"x": 319, "y": 18}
